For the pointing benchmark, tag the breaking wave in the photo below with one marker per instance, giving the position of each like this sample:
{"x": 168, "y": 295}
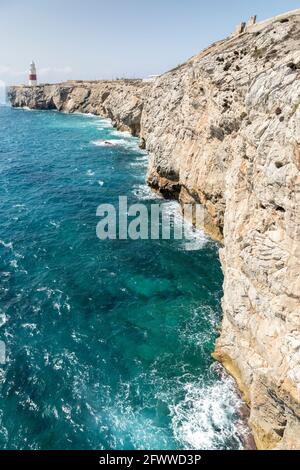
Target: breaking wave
{"x": 128, "y": 144}
{"x": 207, "y": 417}
{"x": 144, "y": 193}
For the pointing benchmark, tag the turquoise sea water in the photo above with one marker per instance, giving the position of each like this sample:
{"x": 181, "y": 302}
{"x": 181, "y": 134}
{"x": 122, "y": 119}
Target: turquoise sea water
{"x": 108, "y": 342}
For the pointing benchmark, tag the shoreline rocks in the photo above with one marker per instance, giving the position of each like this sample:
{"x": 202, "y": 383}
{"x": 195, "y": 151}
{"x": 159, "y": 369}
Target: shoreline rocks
{"x": 223, "y": 130}
{"x": 122, "y": 100}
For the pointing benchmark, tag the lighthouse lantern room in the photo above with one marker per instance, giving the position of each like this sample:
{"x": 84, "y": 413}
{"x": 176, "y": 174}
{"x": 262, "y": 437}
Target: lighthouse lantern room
{"x": 32, "y": 74}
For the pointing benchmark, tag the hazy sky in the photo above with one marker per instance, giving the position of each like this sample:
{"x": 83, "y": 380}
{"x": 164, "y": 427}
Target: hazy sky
{"x": 92, "y": 39}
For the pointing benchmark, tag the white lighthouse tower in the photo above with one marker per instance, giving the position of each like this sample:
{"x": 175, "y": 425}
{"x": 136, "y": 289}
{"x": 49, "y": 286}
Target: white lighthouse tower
{"x": 32, "y": 74}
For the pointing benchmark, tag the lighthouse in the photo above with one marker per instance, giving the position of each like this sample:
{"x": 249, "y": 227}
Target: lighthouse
{"x": 32, "y": 74}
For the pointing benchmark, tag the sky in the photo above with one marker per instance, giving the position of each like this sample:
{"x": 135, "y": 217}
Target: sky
{"x": 105, "y": 39}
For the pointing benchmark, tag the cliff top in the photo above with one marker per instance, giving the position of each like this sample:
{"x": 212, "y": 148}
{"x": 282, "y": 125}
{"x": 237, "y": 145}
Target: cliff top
{"x": 126, "y": 81}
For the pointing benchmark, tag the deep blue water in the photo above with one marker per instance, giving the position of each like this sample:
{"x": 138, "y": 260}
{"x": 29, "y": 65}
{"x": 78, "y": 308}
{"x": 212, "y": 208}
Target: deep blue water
{"x": 108, "y": 342}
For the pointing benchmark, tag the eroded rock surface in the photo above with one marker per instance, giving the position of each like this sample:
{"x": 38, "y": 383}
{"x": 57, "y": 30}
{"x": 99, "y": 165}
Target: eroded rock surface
{"x": 223, "y": 129}
{"x": 120, "y": 100}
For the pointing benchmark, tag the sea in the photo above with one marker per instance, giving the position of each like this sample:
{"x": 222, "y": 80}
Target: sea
{"x": 107, "y": 342}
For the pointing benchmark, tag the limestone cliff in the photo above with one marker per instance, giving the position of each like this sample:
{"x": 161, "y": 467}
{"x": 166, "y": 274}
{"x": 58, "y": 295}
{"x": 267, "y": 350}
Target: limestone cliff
{"x": 120, "y": 100}
{"x": 223, "y": 129}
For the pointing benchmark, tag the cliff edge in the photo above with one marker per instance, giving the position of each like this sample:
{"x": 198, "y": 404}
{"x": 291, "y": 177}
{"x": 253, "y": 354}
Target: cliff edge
{"x": 223, "y": 129}
{"x": 119, "y": 100}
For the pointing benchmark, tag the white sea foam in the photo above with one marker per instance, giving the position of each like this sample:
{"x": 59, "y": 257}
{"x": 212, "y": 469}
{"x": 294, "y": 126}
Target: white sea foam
{"x": 131, "y": 422}
{"x": 49, "y": 291}
{"x": 29, "y": 404}
{"x": 130, "y": 144}
{"x": 84, "y": 114}
{"x": 206, "y": 418}
{"x": 14, "y": 263}
{"x": 32, "y": 110}
{"x": 203, "y": 415}
{"x": 7, "y": 245}
{"x": 57, "y": 306}
{"x": 55, "y": 224}
{"x": 199, "y": 336}
{"x": 29, "y": 326}
{"x": 144, "y": 192}
{"x": 104, "y": 124}
{"x": 44, "y": 289}
{"x": 140, "y": 162}
{"x": 195, "y": 239}
{"x": 60, "y": 301}
{"x": 102, "y": 143}
{"x": 3, "y": 318}
{"x": 109, "y": 142}
{"x": 144, "y": 158}
{"x": 121, "y": 134}
{"x": 90, "y": 173}
{"x": 101, "y": 183}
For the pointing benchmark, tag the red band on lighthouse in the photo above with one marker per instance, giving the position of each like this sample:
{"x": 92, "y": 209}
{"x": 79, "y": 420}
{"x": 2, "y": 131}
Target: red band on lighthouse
{"x": 32, "y": 77}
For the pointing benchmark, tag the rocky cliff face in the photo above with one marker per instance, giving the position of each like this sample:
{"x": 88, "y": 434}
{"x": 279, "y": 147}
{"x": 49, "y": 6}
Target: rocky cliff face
{"x": 120, "y": 100}
{"x": 223, "y": 129}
